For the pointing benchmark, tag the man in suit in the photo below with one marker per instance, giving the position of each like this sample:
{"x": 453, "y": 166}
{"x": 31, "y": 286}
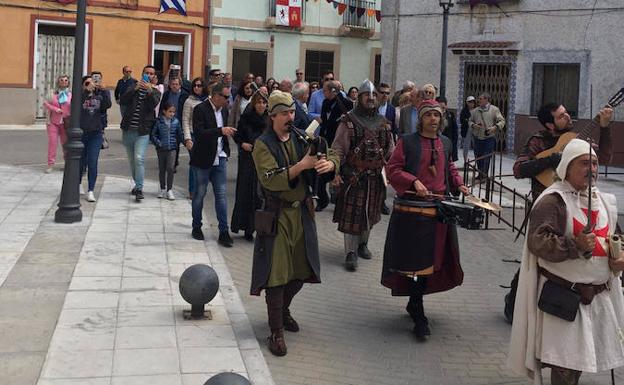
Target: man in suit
{"x": 300, "y": 94}
{"x": 409, "y": 114}
{"x": 386, "y": 109}
{"x": 449, "y": 126}
{"x": 209, "y": 158}
{"x": 334, "y": 106}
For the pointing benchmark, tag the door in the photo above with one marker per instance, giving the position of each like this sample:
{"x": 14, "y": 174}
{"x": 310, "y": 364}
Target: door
{"x": 170, "y": 48}
{"x": 55, "y": 53}
{"x": 245, "y": 61}
{"x": 494, "y": 80}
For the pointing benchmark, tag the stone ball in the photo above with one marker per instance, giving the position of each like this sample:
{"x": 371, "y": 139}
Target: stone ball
{"x": 199, "y": 284}
{"x": 227, "y": 379}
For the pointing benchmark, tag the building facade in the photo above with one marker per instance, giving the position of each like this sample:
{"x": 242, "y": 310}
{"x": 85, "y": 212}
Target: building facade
{"x": 523, "y": 52}
{"x": 342, "y": 35}
{"x": 39, "y": 45}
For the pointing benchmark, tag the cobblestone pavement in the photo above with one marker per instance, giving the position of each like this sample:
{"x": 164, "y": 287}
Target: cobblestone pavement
{"x": 352, "y": 330}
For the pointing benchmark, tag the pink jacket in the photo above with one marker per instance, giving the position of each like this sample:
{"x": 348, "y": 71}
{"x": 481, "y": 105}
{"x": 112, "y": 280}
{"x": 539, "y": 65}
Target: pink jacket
{"x": 58, "y": 112}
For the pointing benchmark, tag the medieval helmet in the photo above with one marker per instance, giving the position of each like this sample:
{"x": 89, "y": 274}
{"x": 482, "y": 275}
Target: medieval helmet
{"x": 367, "y": 86}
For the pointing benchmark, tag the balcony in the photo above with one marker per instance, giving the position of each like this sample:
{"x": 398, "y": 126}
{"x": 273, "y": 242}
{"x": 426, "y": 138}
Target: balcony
{"x": 358, "y": 23}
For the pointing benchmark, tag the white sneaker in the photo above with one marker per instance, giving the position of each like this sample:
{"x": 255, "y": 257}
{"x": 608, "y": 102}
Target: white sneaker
{"x": 81, "y": 190}
{"x": 162, "y": 194}
{"x": 170, "y": 195}
{"x": 90, "y": 196}
{"x": 49, "y": 169}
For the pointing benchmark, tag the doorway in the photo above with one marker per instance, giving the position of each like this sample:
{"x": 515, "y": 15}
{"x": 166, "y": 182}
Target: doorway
{"x": 245, "y": 61}
{"x": 491, "y": 78}
{"x": 54, "y": 57}
{"x": 171, "y": 48}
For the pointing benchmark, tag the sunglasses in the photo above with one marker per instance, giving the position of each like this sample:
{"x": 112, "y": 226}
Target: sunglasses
{"x": 299, "y": 73}
{"x": 328, "y": 79}
{"x": 384, "y": 92}
{"x": 223, "y": 95}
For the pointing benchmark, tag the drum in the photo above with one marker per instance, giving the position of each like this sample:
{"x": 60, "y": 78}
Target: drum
{"x": 418, "y": 207}
{"x": 464, "y": 215}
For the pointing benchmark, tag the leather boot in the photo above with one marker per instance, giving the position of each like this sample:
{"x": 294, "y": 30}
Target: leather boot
{"x": 289, "y": 322}
{"x": 351, "y": 261}
{"x": 421, "y": 323}
{"x": 277, "y": 344}
{"x": 564, "y": 376}
{"x": 364, "y": 252}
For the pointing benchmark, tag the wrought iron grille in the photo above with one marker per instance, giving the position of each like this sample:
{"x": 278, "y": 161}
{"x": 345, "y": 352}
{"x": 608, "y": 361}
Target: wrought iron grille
{"x": 491, "y": 78}
{"x": 356, "y": 16}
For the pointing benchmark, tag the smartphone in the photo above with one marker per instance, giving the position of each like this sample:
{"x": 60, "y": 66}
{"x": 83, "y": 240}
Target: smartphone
{"x": 146, "y": 78}
{"x": 97, "y": 78}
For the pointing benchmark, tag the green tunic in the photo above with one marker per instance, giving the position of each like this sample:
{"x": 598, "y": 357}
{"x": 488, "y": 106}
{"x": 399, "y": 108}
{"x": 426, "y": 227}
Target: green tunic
{"x": 288, "y": 258}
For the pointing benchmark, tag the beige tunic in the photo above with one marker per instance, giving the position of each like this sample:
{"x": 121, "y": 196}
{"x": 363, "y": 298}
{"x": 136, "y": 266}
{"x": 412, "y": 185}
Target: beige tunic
{"x": 594, "y": 340}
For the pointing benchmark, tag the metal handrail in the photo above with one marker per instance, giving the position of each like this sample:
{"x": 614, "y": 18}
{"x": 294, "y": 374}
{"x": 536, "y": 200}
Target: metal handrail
{"x": 492, "y": 186}
{"x": 353, "y": 20}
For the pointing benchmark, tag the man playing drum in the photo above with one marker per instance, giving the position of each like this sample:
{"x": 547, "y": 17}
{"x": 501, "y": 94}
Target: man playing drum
{"x": 421, "y": 254}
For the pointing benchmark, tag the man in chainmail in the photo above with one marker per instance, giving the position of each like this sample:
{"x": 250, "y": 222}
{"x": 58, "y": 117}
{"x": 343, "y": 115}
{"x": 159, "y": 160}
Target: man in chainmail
{"x": 363, "y": 142}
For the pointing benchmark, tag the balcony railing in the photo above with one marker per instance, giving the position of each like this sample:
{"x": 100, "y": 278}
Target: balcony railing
{"x": 360, "y": 18}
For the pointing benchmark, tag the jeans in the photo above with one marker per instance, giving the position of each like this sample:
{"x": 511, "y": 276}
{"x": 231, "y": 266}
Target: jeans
{"x": 191, "y": 176}
{"x": 484, "y": 147}
{"x": 54, "y": 132}
{"x": 90, "y": 154}
{"x": 135, "y": 148}
{"x": 166, "y": 165}
{"x": 217, "y": 176}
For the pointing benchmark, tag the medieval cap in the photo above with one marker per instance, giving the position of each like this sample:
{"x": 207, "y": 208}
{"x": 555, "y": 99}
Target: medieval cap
{"x": 428, "y": 105}
{"x": 280, "y": 101}
{"x": 574, "y": 149}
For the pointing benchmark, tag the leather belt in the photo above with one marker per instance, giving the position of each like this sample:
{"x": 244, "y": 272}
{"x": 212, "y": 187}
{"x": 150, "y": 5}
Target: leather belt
{"x": 586, "y": 290}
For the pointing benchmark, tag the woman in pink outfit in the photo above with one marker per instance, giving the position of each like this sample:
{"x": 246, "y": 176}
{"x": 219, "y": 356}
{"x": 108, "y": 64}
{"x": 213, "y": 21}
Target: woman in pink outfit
{"x": 59, "y": 108}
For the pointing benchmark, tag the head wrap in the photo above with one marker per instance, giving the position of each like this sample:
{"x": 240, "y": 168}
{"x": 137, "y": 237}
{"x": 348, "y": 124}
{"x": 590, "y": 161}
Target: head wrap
{"x": 572, "y": 150}
{"x": 280, "y": 101}
{"x": 428, "y": 105}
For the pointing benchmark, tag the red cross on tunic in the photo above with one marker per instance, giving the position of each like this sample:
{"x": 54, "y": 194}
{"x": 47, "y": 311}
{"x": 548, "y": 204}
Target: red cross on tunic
{"x": 578, "y": 226}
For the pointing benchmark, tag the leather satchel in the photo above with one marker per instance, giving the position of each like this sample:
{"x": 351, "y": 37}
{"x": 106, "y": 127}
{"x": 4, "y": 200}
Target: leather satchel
{"x": 265, "y": 222}
{"x": 559, "y": 301}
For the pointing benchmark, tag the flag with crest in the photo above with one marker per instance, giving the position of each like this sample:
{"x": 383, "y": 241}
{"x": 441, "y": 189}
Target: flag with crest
{"x": 288, "y": 13}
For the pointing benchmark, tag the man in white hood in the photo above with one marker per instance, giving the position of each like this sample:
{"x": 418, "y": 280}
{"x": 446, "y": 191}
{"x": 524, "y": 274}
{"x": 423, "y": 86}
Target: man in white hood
{"x": 569, "y": 312}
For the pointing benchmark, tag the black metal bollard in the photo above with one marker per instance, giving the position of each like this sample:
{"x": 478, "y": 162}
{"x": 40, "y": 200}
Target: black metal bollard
{"x": 227, "y": 379}
{"x": 198, "y": 286}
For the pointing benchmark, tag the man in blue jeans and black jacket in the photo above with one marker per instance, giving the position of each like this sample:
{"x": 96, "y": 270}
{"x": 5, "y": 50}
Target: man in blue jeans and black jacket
{"x": 209, "y": 159}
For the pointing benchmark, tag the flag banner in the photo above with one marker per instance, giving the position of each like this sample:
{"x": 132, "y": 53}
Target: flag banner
{"x": 178, "y": 5}
{"x": 288, "y": 13}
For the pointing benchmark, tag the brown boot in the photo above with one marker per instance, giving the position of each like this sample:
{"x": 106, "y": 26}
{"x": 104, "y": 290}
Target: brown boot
{"x": 289, "y": 322}
{"x": 277, "y": 344}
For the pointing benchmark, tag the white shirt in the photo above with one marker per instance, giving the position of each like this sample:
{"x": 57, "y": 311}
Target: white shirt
{"x": 219, "y": 119}
{"x": 382, "y": 109}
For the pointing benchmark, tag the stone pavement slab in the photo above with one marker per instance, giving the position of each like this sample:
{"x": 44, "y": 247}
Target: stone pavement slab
{"x": 121, "y": 320}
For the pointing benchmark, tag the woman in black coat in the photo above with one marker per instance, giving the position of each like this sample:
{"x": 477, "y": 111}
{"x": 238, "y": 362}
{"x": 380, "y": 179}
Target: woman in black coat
{"x": 250, "y": 126}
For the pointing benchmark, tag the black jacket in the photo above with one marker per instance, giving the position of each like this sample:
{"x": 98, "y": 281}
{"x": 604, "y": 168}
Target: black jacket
{"x": 451, "y": 132}
{"x": 147, "y": 114}
{"x": 124, "y": 85}
{"x": 206, "y": 135}
{"x": 91, "y": 112}
{"x": 106, "y": 100}
{"x": 329, "y": 125}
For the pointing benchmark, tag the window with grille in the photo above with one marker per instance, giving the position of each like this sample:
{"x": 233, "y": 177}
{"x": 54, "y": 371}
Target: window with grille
{"x": 556, "y": 83}
{"x": 317, "y": 62}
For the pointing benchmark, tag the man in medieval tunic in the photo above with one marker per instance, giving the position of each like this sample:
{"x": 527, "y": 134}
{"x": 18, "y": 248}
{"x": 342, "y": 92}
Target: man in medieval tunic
{"x": 561, "y": 253}
{"x": 286, "y": 246}
{"x": 421, "y": 254}
{"x": 364, "y": 143}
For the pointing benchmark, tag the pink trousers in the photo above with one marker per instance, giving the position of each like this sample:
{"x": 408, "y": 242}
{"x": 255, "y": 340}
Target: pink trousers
{"x": 54, "y": 132}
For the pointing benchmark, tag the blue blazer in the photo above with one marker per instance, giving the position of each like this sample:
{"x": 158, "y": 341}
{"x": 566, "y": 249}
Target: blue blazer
{"x": 391, "y": 116}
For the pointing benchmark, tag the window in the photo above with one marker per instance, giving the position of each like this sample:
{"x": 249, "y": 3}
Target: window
{"x": 377, "y": 73}
{"x": 246, "y": 60}
{"x": 317, "y": 62}
{"x": 558, "y": 83}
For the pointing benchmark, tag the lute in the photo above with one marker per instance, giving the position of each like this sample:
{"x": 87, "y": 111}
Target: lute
{"x": 547, "y": 177}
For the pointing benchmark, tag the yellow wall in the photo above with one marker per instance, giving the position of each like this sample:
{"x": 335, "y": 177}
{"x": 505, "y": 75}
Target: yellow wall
{"x": 119, "y": 36}
{"x": 14, "y": 51}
